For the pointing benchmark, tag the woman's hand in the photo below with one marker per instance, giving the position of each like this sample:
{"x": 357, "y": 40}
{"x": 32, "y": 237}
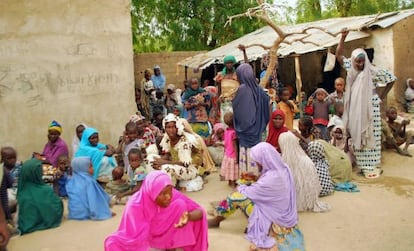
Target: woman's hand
{"x": 344, "y": 32}
{"x": 158, "y": 163}
{"x": 183, "y": 220}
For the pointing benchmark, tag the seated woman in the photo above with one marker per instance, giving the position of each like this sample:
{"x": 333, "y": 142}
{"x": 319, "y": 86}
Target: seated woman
{"x": 208, "y": 165}
{"x": 304, "y": 174}
{"x": 101, "y": 155}
{"x": 181, "y": 156}
{"x": 55, "y": 146}
{"x": 197, "y": 103}
{"x": 77, "y": 137}
{"x": 273, "y": 218}
{"x": 337, "y": 162}
{"x": 276, "y": 128}
{"x": 39, "y": 207}
{"x": 158, "y": 216}
{"x": 87, "y": 199}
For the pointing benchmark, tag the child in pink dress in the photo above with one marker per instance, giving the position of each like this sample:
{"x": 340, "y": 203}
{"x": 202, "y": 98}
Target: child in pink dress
{"x": 230, "y": 164}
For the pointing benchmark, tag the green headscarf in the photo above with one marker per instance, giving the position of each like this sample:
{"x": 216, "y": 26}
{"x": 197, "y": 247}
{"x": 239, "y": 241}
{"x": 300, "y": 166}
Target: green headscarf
{"x": 39, "y": 207}
{"x": 228, "y": 59}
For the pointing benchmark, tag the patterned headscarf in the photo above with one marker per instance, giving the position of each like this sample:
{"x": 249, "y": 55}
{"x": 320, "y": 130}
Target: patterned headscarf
{"x": 54, "y": 125}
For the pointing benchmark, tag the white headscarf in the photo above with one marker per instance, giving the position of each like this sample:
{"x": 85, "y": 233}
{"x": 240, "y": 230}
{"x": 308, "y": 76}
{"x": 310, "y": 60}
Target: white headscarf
{"x": 180, "y": 131}
{"x": 409, "y": 93}
{"x": 358, "y": 108}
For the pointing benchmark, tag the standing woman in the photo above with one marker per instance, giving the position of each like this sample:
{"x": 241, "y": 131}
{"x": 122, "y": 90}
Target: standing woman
{"x": 251, "y": 115}
{"x": 227, "y": 84}
{"x": 146, "y": 86}
{"x": 362, "y": 117}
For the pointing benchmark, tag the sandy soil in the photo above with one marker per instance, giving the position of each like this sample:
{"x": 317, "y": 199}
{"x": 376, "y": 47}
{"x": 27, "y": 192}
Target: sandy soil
{"x": 380, "y": 217}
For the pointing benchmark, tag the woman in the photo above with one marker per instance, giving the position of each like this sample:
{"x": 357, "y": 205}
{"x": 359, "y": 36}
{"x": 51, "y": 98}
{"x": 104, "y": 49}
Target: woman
{"x": 78, "y": 136}
{"x": 146, "y": 86}
{"x": 55, "y": 146}
{"x": 273, "y": 218}
{"x": 251, "y": 115}
{"x": 227, "y": 84}
{"x": 304, "y": 174}
{"x": 182, "y": 157}
{"x": 362, "y": 116}
{"x": 158, "y": 216}
{"x": 276, "y": 128}
{"x": 208, "y": 165}
{"x": 101, "y": 155}
{"x": 39, "y": 207}
{"x": 87, "y": 199}
{"x": 197, "y": 103}
{"x": 316, "y": 153}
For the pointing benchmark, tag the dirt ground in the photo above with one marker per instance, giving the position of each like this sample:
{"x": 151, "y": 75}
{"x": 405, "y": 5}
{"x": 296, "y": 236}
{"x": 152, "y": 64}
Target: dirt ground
{"x": 379, "y": 217}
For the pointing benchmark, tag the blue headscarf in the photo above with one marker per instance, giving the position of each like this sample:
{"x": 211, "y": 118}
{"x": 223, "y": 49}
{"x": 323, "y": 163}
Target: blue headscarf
{"x": 87, "y": 199}
{"x": 250, "y": 108}
{"x": 95, "y": 153}
{"x": 159, "y": 81}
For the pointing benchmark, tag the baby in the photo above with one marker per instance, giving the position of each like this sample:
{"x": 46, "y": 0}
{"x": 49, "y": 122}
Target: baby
{"x": 117, "y": 185}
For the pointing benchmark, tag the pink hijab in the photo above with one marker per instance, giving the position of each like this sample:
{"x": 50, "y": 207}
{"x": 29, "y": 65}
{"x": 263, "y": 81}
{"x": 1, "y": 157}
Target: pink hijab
{"x": 146, "y": 225}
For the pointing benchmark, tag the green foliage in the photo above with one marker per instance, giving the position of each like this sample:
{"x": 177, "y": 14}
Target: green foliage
{"x": 310, "y": 10}
{"x": 167, "y": 25}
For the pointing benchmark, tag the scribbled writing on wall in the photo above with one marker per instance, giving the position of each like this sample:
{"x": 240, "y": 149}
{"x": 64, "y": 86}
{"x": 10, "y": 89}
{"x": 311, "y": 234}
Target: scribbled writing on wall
{"x": 32, "y": 84}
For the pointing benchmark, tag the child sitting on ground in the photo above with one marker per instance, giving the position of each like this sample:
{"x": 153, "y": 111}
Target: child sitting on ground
{"x": 63, "y": 173}
{"x": 13, "y": 167}
{"x": 409, "y": 95}
{"x": 230, "y": 164}
{"x": 398, "y": 129}
{"x": 136, "y": 162}
{"x": 215, "y": 143}
{"x": 319, "y": 109}
{"x": 128, "y": 141}
{"x": 288, "y": 107}
{"x": 117, "y": 185}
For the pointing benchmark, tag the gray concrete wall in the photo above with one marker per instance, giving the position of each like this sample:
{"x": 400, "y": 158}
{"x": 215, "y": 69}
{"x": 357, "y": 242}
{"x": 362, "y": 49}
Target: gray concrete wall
{"x": 70, "y": 61}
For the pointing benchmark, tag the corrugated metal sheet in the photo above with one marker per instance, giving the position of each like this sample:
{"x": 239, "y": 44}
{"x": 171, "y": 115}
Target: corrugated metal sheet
{"x": 315, "y": 39}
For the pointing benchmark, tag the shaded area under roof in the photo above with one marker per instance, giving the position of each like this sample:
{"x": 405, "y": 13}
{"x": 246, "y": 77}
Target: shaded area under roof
{"x": 316, "y": 40}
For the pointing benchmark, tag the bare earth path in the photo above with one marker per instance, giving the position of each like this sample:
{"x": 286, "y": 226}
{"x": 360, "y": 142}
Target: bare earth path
{"x": 380, "y": 217}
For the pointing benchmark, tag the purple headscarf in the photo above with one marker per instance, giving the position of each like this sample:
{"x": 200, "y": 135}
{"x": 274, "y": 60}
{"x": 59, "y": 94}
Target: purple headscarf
{"x": 250, "y": 108}
{"x": 273, "y": 195}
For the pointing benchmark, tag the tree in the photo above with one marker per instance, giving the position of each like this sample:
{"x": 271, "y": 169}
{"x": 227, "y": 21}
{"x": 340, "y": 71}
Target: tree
{"x": 162, "y": 25}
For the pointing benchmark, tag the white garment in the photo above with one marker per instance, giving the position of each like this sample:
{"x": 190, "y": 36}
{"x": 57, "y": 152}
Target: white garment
{"x": 358, "y": 110}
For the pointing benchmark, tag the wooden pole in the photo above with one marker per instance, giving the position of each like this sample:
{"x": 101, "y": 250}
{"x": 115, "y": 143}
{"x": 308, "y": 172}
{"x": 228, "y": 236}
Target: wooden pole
{"x": 298, "y": 84}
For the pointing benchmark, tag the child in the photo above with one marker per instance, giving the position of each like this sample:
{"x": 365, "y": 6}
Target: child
{"x": 320, "y": 111}
{"x": 6, "y": 180}
{"x": 338, "y": 94}
{"x": 171, "y": 99}
{"x": 139, "y": 172}
{"x": 62, "y": 175}
{"x": 13, "y": 168}
{"x": 157, "y": 101}
{"x": 336, "y": 119}
{"x": 398, "y": 129}
{"x": 288, "y": 107}
{"x": 409, "y": 95}
{"x": 230, "y": 166}
{"x": 129, "y": 140}
{"x": 215, "y": 144}
{"x": 117, "y": 185}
